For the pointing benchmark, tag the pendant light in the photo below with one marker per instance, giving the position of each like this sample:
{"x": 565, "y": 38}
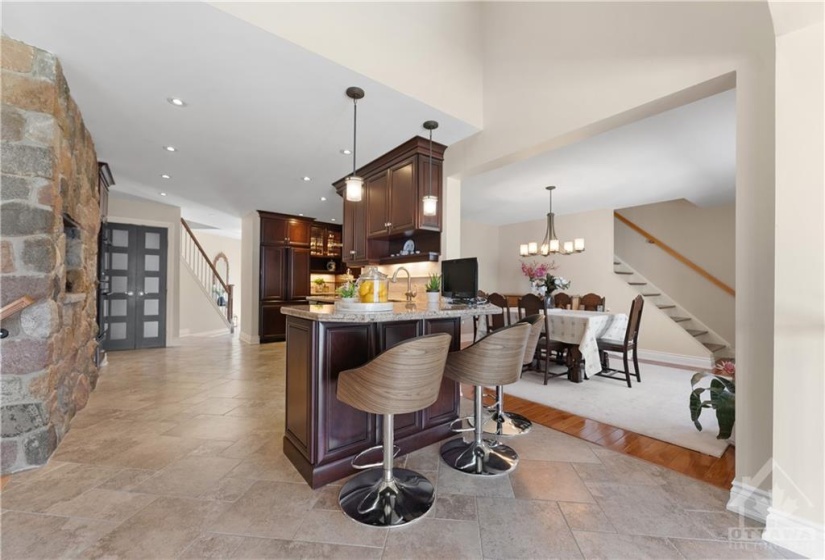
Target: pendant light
{"x": 354, "y": 183}
{"x": 550, "y": 243}
{"x": 430, "y": 201}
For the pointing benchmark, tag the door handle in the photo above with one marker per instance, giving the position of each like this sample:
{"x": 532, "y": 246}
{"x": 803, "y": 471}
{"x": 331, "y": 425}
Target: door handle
{"x": 140, "y": 294}
{"x": 129, "y": 293}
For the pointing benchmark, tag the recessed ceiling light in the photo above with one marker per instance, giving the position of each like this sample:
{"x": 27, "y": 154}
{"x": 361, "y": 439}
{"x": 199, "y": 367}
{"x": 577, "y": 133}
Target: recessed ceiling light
{"x": 163, "y": 194}
{"x": 170, "y": 148}
{"x": 300, "y": 214}
{"x": 165, "y": 176}
{"x": 176, "y": 101}
{"x": 346, "y": 152}
{"x": 323, "y": 199}
{"x": 307, "y": 179}
{"x": 333, "y": 219}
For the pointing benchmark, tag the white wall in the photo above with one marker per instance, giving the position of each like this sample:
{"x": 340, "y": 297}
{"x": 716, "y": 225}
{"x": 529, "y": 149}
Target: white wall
{"x": 430, "y": 51}
{"x": 196, "y": 314}
{"x": 250, "y": 278}
{"x": 127, "y": 210}
{"x": 799, "y": 330}
{"x": 482, "y": 241}
{"x": 704, "y": 235}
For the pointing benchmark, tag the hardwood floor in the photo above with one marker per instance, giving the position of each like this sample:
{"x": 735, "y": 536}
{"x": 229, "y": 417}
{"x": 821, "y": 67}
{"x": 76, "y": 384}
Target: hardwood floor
{"x": 717, "y": 471}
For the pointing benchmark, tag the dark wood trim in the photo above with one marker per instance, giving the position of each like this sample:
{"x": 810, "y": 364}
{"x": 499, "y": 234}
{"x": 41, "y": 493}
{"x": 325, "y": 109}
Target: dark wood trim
{"x": 279, "y": 216}
{"x": 206, "y": 257}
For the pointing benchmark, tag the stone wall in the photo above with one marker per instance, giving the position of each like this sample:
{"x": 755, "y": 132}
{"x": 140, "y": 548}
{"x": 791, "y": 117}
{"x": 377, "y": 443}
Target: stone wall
{"x": 49, "y": 171}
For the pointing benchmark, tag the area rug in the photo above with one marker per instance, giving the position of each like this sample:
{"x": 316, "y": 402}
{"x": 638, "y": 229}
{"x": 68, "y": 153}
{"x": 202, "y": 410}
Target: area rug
{"x": 657, "y": 407}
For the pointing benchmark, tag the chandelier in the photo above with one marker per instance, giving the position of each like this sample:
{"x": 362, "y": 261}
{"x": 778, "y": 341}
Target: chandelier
{"x": 550, "y": 243}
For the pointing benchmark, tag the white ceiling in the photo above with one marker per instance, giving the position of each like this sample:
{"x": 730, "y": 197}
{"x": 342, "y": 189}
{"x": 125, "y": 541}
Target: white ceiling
{"x": 688, "y": 152}
{"x": 263, "y": 113}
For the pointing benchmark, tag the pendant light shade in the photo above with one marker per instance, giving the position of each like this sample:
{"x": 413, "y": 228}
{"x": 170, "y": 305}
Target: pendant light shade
{"x": 429, "y": 203}
{"x": 354, "y": 183}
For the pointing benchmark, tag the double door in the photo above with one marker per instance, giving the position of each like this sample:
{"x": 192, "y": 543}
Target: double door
{"x": 134, "y": 266}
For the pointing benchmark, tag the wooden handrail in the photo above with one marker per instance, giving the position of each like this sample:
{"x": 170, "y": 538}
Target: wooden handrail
{"x": 676, "y": 255}
{"x": 16, "y": 306}
{"x": 205, "y": 256}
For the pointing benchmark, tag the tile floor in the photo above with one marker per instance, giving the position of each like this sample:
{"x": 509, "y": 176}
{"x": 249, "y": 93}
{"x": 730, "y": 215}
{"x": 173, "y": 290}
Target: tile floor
{"x": 178, "y": 455}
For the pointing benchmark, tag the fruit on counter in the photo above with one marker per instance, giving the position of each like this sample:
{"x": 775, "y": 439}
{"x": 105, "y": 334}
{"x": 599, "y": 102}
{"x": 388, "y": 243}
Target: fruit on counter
{"x": 367, "y": 292}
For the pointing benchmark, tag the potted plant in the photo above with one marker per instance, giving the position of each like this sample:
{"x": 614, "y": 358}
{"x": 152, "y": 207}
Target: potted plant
{"x": 320, "y": 285}
{"x": 433, "y": 288}
{"x": 722, "y": 391}
{"x": 349, "y": 292}
{"x": 536, "y": 273}
{"x": 553, "y": 283}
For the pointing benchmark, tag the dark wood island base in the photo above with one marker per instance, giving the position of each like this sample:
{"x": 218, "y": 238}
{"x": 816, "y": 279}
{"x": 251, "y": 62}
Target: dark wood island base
{"x": 322, "y": 434}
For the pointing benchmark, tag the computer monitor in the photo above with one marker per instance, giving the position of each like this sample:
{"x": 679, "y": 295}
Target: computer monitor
{"x": 460, "y": 278}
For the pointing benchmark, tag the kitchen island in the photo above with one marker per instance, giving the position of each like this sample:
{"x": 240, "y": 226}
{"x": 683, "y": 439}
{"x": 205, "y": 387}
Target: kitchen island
{"x": 322, "y": 434}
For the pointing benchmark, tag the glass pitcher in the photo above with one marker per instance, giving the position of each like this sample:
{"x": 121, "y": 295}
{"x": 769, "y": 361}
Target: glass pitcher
{"x": 373, "y": 286}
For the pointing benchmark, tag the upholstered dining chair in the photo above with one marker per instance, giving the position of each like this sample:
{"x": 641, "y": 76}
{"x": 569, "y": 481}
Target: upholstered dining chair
{"x": 591, "y": 302}
{"x": 562, "y": 300}
{"x": 629, "y": 344}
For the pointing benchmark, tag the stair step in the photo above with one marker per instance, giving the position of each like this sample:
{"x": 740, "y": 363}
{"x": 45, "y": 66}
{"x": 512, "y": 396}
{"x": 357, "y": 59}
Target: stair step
{"x": 680, "y": 319}
{"x": 651, "y": 295}
{"x": 713, "y": 347}
{"x": 637, "y": 283}
{"x": 696, "y": 332}
{"x": 666, "y": 306}
{"x": 622, "y": 272}
{"x": 616, "y": 262}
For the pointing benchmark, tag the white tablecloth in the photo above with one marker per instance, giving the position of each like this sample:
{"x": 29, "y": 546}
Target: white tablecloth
{"x": 583, "y": 328}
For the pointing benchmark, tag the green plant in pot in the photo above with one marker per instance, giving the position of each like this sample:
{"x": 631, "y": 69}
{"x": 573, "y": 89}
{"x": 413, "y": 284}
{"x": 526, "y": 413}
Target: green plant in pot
{"x": 433, "y": 288}
{"x": 320, "y": 285}
{"x": 348, "y": 291}
{"x": 722, "y": 393}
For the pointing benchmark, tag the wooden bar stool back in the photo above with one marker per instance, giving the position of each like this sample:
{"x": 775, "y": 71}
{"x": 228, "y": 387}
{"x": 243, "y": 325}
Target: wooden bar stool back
{"x": 405, "y": 378}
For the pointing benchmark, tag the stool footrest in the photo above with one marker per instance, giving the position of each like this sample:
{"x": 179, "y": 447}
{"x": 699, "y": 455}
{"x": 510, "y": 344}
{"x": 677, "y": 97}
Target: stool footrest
{"x": 461, "y": 420}
{"x": 396, "y": 451}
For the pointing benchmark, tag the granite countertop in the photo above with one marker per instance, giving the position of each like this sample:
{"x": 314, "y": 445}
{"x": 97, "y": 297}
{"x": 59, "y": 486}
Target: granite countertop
{"x": 400, "y": 312}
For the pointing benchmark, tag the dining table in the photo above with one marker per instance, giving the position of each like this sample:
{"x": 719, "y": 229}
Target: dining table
{"x": 580, "y": 331}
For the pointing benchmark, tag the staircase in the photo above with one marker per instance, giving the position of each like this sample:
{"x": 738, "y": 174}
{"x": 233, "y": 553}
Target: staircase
{"x": 718, "y": 346}
{"x": 218, "y": 293}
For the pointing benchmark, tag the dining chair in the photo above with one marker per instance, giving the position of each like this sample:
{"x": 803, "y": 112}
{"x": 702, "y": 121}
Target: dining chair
{"x": 530, "y": 304}
{"x": 630, "y": 344}
{"x": 498, "y": 320}
{"x": 591, "y": 302}
{"x": 562, "y": 300}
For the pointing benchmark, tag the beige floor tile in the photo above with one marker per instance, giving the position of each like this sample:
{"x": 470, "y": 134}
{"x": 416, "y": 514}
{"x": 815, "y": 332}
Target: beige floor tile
{"x": 190, "y": 476}
{"x": 434, "y": 538}
{"x": 211, "y": 448}
{"x": 228, "y": 489}
{"x": 609, "y": 546}
{"x": 454, "y": 506}
{"x": 214, "y": 406}
{"x": 127, "y": 480}
{"x": 548, "y": 445}
{"x": 638, "y": 509}
{"x": 333, "y": 527}
{"x": 257, "y": 409}
{"x": 552, "y": 481}
{"x": 35, "y": 536}
{"x": 163, "y": 529}
{"x": 327, "y": 497}
{"x": 210, "y": 545}
{"x": 267, "y": 466}
{"x": 31, "y": 475}
{"x": 221, "y": 427}
{"x": 153, "y": 453}
{"x": 426, "y": 459}
{"x": 56, "y": 487}
{"x": 524, "y": 529}
{"x": 272, "y": 548}
{"x": 702, "y": 549}
{"x": 586, "y": 517}
{"x": 267, "y": 509}
{"x": 109, "y": 505}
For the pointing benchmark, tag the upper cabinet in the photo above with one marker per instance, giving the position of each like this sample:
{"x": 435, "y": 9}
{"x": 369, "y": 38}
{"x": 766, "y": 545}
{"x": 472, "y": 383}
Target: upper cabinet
{"x": 282, "y": 229}
{"x": 325, "y": 241}
{"x": 390, "y": 211}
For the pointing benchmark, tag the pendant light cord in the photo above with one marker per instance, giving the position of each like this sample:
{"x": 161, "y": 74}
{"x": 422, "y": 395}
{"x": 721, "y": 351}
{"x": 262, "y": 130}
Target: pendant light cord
{"x": 354, "y": 132}
{"x": 430, "y": 187}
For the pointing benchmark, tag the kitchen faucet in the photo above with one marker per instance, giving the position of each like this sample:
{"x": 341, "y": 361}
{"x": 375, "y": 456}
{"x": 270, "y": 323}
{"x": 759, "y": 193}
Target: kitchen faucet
{"x": 409, "y": 293}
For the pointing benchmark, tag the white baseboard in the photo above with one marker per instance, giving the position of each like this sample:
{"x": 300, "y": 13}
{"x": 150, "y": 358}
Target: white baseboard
{"x": 676, "y": 360}
{"x": 795, "y": 534}
{"x": 750, "y": 501}
{"x": 250, "y": 338}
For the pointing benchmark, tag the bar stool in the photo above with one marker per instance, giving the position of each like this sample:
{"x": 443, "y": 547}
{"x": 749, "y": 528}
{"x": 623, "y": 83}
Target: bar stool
{"x": 405, "y": 378}
{"x": 508, "y": 424}
{"x": 494, "y": 360}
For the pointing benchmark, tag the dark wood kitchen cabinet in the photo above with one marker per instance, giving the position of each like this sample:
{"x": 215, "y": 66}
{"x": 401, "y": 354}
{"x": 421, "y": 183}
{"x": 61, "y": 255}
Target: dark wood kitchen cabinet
{"x": 391, "y": 209}
{"x": 284, "y": 270}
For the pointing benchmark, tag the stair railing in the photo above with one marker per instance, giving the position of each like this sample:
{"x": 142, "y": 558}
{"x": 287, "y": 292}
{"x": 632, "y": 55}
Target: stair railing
{"x": 205, "y": 271}
{"x": 676, "y": 255}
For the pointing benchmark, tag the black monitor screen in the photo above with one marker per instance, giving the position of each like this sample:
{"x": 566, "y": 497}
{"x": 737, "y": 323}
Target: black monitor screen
{"x": 460, "y": 278}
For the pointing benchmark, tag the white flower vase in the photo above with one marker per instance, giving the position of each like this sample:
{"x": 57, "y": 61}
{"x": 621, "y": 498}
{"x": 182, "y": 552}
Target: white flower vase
{"x": 433, "y": 297}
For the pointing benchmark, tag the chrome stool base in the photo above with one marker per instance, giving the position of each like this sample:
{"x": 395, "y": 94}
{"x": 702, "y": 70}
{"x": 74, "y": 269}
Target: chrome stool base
{"x": 488, "y": 458}
{"x": 370, "y": 499}
{"x": 507, "y": 424}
